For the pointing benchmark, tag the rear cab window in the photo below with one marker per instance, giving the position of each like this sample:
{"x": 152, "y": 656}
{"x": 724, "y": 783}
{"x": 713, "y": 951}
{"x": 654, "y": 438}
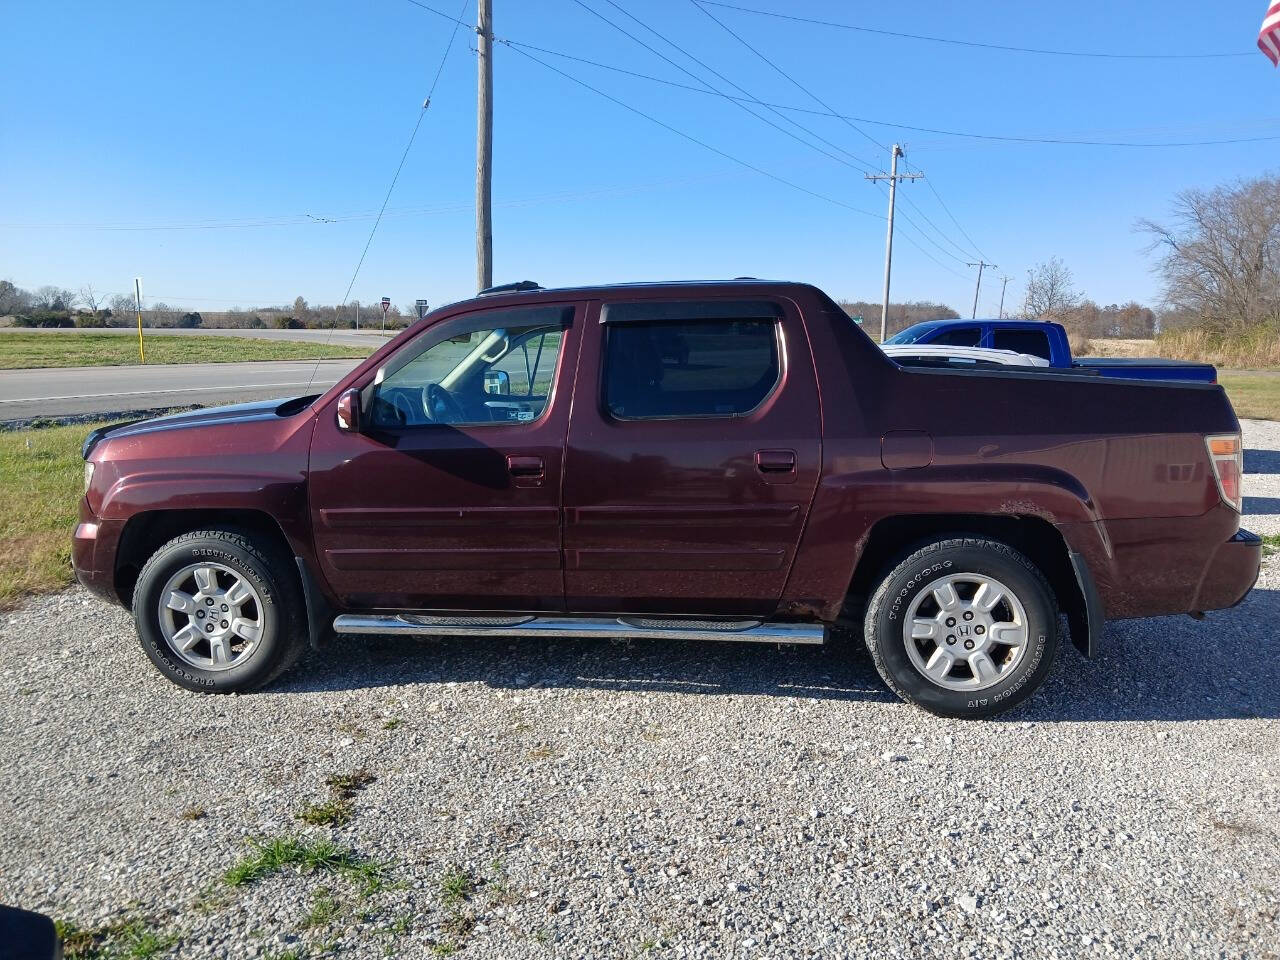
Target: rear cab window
{"x": 698, "y": 359}
{"x": 1034, "y": 342}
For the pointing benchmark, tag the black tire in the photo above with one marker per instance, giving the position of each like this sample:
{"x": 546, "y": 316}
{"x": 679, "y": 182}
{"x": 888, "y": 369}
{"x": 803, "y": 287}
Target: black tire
{"x": 884, "y": 633}
{"x": 270, "y": 572}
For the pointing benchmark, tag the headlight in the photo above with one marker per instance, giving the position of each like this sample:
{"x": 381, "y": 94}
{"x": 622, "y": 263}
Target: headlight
{"x": 88, "y": 475}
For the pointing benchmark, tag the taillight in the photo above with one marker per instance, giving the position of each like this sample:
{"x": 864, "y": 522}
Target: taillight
{"x": 1227, "y": 456}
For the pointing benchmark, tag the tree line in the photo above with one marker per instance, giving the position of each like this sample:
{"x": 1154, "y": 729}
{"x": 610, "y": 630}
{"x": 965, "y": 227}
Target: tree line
{"x": 53, "y": 306}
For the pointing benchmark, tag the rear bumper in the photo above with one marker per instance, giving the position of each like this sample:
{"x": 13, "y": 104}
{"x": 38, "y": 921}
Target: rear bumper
{"x": 1231, "y": 572}
{"x": 1158, "y": 566}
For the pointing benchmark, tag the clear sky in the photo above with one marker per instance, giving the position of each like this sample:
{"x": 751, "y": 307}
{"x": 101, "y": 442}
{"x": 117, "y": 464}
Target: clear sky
{"x": 234, "y": 121}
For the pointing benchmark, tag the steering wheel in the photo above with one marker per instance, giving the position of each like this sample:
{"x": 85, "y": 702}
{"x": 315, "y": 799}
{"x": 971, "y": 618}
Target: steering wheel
{"x": 441, "y": 406}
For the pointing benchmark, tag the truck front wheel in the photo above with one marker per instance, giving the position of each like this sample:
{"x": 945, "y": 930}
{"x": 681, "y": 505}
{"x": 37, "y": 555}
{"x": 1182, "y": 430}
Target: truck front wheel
{"x": 963, "y": 628}
{"x": 218, "y": 613}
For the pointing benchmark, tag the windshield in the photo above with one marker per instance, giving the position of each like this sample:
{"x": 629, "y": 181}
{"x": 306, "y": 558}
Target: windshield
{"x": 911, "y": 334}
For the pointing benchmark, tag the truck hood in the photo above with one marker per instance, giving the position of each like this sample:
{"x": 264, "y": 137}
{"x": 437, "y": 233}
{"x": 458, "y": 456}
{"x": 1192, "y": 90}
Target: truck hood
{"x": 254, "y": 411}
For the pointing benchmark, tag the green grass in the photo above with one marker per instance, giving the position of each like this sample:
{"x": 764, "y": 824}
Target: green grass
{"x": 20, "y": 351}
{"x": 1271, "y": 544}
{"x": 1255, "y": 395}
{"x": 324, "y": 909}
{"x": 308, "y": 856}
{"x": 125, "y": 940}
{"x": 456, "y": 885}
{"x": 41, "y": 479}
{"x": 332, "y": 813}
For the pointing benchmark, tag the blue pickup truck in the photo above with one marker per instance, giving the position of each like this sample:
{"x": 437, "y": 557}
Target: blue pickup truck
{"x": 1048, "y": 340}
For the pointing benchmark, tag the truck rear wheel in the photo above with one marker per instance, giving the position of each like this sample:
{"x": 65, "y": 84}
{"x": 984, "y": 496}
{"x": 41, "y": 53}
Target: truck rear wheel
{"x": 218, "y": 613}
{"x": 963, "y": 628}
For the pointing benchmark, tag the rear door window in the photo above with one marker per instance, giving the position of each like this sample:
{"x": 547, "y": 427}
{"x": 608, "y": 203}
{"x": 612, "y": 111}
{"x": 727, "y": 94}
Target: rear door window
{"x": 689, "y": 368}
{"x": 1034, "y": 342}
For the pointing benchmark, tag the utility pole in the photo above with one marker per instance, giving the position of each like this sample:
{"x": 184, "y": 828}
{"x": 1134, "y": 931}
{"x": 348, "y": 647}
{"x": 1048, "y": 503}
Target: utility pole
{"x": 980, "y": 264}
{"x": 1004, "y": 282}
{"x": 484, "y": 147}
{"x": 893, "y": 177}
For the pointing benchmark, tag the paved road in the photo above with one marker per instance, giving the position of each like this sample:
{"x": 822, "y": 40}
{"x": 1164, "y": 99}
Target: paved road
{"x": 72, "y": 391}
{"x": 339, "y": 337}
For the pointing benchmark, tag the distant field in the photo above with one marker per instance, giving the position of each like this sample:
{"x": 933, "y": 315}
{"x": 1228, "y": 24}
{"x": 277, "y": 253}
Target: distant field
{"x": 1254, "y": 394}
{"x": 29, "y": 350}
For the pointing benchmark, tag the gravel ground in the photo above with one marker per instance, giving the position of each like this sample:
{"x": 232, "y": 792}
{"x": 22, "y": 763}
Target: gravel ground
{"x": 593, "y": 799}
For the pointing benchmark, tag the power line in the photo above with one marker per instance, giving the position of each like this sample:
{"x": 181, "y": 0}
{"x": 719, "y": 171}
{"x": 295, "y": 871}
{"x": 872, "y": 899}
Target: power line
{"x": 975, "y": 43}
{"x": 405, "y": 156}
{"x": 942, "y": 203}
{"x": 706, "y": 90}
{"x": 786, "y": 76}
{"x": 915, "y": 128}
{"x": 721, "y": 152}
{"x": 707, "y": 87}
{"x": 426, "y": 104}
{"x": 822, "y": 103}
{"x": 693, "y": 139}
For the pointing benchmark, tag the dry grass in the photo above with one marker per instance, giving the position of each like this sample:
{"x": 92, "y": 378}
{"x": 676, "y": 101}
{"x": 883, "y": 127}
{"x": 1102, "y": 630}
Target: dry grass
{"x": 1107, "y": 347}
{"x": 1256, "y": 349}
{"x": 41, "y": 478}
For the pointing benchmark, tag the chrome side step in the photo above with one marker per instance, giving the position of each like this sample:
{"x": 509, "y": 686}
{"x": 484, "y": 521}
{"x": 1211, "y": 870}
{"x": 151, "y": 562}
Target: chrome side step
{"x": 640, "y": 628}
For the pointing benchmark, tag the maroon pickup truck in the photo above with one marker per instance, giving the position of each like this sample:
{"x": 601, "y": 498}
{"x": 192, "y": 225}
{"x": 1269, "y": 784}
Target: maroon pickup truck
{"x": 710, "y": 461}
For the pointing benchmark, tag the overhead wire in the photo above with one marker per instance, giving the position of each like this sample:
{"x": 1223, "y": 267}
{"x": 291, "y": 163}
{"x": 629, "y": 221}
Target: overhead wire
{"x": 426, "y": 104}
{"x": 975, "y": 43}
{"x": 692, "y": 139}
{"x": 915, "y": 128}
{"x": 822, "y": 103}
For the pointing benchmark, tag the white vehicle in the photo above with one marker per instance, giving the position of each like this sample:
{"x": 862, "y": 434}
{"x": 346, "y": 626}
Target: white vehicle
{"x": 924, "y": 354}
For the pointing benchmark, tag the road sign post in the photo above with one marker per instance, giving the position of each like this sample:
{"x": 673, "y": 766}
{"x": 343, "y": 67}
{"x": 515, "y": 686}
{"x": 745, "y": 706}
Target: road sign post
{"x": 137, "y": 302}
{"x": 386, "y": 305}
{"x": 422, "y": 307}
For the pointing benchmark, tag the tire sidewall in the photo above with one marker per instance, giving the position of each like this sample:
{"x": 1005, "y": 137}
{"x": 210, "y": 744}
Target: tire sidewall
{"x": 146, "y": 597}
{"x": 912, "y": 577}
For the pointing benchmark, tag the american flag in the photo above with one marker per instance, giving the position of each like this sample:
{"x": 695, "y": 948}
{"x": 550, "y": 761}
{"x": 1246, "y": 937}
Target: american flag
{"x": 1269, "y": 35}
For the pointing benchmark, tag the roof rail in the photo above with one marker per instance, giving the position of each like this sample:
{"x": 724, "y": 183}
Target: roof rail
{"x": 519, "y": 286}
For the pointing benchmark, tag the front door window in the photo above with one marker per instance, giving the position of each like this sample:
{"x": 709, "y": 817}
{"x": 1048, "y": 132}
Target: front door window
{"x": 501, "y": 373}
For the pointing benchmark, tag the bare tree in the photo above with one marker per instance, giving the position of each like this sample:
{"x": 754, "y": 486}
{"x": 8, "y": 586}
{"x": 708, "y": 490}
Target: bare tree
{"x": 90, "y": 297}
{"x": 1220, "y": 255}
{"x": 1050, "y": 289}
{"x": 55, "y": 298}
{"x": 122, "y": 305}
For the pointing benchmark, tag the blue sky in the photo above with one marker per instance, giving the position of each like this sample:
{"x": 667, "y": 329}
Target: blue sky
{"x": 236, "y": 120}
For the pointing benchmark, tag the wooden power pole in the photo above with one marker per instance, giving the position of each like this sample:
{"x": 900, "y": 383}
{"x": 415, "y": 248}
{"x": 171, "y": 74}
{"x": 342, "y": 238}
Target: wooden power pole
{"x": 484, "y": 147}
{"x": 981, "y": 264}
{"x": 1004, "y": 282}
{"x": 893, "y": 177}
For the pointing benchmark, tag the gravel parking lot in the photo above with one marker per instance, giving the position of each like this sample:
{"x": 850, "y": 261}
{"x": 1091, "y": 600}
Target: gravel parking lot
{"x": 591, "y": 799}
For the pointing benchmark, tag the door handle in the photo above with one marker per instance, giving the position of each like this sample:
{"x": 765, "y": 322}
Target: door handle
{"x": 526, "y": 469}
{"x": 776, "y": 461}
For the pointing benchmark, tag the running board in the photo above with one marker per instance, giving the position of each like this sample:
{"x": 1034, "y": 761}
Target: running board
{"x": 639, "y": 628}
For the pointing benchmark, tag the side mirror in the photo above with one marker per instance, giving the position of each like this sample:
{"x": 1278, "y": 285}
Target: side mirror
{"x": 497, "y": 383}
{"x": 349, "y": 411}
